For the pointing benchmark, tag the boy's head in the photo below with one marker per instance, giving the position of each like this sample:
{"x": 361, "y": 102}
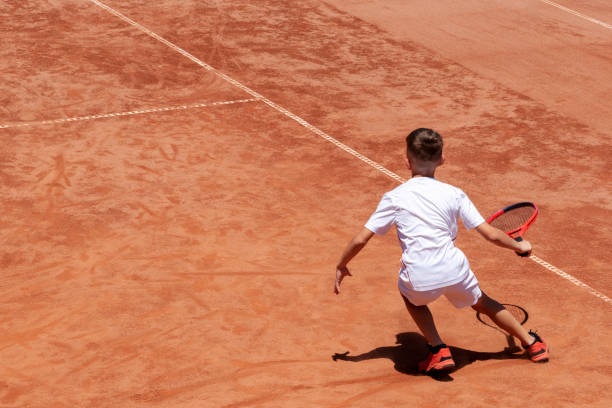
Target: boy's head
{"x": 424, "y": 145}
{"x": 424, "y": 152}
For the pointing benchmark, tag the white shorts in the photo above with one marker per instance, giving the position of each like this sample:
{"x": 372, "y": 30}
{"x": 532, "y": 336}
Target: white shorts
{"x": 462, "y": 294}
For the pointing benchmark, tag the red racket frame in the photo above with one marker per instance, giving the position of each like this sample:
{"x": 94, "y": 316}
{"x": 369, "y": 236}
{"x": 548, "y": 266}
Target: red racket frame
{"x": 518, "y": 232}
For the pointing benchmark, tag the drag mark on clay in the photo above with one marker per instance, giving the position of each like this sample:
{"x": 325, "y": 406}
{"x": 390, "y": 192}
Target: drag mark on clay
{"x": 247, "y": 370}
{"x": 9, "y": 392}
{"x": 150, "y": 170}
{"x": 23, "y": 338}
{"x": 276, "y": 394}
{"x": 162, "y": 394}
{"x": 246, "y": 365}
{"x": 60, "y": 168}
{"x": 362, "y": 380}
{"x": 398, "y": 381}
{"x": 196, "y": 300}
{"x": 166, "y": 156}
{"x": 78, "y": 368}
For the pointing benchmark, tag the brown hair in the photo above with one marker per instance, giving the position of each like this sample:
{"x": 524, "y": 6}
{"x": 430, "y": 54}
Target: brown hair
{"x": 424, "y": 144}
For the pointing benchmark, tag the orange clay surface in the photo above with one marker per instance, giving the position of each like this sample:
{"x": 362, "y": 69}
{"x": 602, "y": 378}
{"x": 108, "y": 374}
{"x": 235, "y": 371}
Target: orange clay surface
{"x": 185, "y": 257}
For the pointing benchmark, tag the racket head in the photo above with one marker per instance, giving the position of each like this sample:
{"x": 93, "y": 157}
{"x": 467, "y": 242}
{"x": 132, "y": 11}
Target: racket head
{"x": 518, "y": 312}
{"x": 515, "y": 219}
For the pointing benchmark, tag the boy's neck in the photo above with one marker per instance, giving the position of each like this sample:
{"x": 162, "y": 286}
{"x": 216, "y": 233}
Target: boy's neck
{"x": 423, "y": 174}
{"x": 422, "y": 168}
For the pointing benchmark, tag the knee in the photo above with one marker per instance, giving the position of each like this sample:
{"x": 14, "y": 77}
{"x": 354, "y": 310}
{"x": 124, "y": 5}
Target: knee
{"x": 487, "y": 305}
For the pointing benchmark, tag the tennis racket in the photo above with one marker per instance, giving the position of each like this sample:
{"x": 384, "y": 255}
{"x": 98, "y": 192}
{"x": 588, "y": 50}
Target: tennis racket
{"x": 515, "y": 219}
{"x": 519, "y": 314}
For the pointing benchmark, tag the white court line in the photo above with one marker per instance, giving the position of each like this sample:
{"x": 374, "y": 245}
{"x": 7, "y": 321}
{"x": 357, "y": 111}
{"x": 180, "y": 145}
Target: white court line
{"x": 570, "y": 278}
{"x": 251, "y": 92}
{"x": 592, "y": 20}
{"x": 317, "y": 131}
{"x": 135, "y": 112}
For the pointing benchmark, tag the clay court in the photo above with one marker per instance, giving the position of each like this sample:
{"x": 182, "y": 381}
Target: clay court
{"x": 179, "y": 178}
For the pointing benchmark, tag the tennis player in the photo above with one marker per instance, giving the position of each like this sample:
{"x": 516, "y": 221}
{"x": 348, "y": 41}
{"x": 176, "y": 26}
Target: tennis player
{"x": 425, "y": 213}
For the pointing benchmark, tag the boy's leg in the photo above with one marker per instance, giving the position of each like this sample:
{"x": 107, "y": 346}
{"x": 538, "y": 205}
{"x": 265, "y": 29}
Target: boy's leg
{"x": 502, "y": 318}
{"x": 424, "y": 320}
{"x": 535, "y": 346}
{"x": 439, "y": 356}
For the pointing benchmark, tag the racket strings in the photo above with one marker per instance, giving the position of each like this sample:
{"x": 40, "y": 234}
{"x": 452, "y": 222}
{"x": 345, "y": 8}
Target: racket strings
{"x": 513, "y": 219}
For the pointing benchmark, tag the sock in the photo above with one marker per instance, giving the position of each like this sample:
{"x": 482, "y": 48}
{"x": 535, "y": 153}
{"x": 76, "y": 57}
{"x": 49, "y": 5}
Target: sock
{"x": 436, "y": 349}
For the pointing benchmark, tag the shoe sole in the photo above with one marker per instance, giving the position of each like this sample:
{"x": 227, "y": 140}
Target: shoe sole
{"x": 542, "y": 360}
{"x": 438, "y": 368}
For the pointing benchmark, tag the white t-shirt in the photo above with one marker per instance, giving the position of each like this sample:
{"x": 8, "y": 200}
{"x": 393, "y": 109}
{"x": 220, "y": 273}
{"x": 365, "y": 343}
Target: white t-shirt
{"x": 425, "y": 212}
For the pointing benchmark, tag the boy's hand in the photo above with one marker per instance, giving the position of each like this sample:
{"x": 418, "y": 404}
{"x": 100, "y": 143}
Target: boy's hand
{"x": 341, "y": 272}
{"x": 525, "y": 248}
{"x": 352, "y": 249}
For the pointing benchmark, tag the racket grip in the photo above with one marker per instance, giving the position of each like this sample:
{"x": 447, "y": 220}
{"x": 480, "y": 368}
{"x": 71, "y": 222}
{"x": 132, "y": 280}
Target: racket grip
{"x": 522, "y": 254}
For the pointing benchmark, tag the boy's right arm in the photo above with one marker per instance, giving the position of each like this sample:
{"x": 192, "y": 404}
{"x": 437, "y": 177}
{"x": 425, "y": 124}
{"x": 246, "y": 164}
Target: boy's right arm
{"x": 352, "y": 248}
{"x": 499, "y": 238}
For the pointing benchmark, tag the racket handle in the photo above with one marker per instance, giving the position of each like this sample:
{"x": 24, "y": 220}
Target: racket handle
{"x": 523, "y": 254}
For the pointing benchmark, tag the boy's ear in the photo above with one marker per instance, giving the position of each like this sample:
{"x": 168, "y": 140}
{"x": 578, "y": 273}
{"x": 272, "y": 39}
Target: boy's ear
{"x": 408, "y": 164}
{"x": 442, "y": 159}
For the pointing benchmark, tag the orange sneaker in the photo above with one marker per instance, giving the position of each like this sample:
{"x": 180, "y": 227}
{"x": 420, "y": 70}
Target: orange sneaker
{"x": 438, "y": 358}
{"x": 538, "y": 350}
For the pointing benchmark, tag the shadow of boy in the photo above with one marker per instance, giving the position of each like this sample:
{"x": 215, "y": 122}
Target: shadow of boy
{"x": 409, "y": 351}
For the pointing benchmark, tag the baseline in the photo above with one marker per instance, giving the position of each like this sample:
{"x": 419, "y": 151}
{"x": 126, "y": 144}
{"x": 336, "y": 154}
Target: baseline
{"x": 314, "y": 129}
{"x": 128, "y": 113}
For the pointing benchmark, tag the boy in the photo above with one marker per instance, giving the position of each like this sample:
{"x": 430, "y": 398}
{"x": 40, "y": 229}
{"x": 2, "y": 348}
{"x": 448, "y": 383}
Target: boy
{"x": 425, "y": 212}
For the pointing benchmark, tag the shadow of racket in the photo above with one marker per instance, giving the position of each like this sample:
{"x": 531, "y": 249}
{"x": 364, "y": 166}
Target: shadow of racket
{"x": 519, "y": 314}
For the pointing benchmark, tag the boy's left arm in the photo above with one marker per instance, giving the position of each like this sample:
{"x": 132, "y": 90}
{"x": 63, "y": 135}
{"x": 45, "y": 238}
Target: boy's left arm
{"x": 354, "y": 246}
